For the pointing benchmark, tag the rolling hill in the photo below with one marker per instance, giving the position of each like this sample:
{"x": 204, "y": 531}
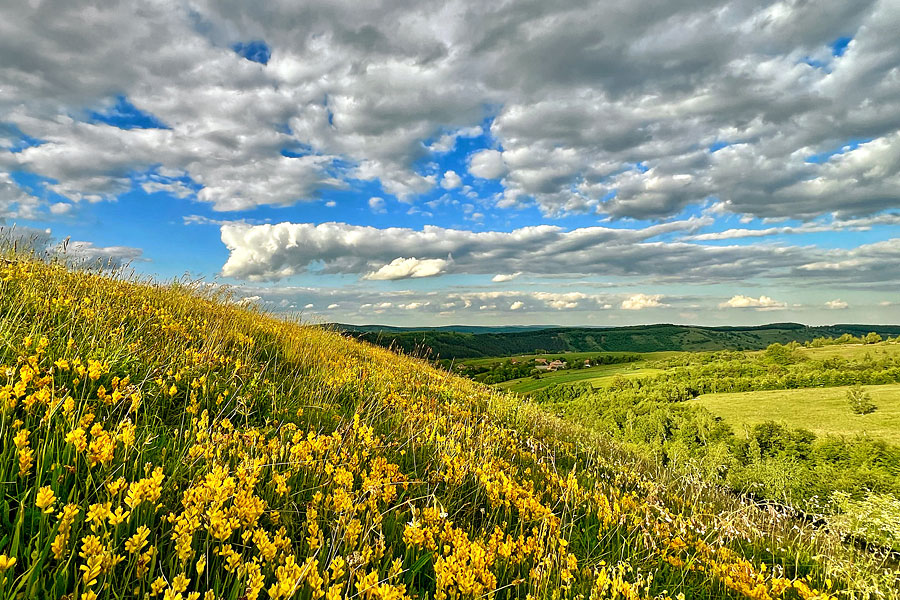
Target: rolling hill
{"x": 437, "y": 343}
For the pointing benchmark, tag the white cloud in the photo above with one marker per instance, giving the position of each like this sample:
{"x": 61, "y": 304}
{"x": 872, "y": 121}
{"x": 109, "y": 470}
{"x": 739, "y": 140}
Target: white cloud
{"x": 836, "y": 304}
{"x": 501, "y": 277}
{"x": 642, "y": 301}
{"x": 376, "y": 204}
{"x": 761, "y": 303}
{"x": 333, "y": 306}
{"x": 270, "y": 252}
{"x": 580, "y": 127}
{"x": 14, "y": 201}
{"x": 517, "y": 305}
{"x": 451, "y": 180}
{"x": 61, "y": 208}
{"x": 487, "y": 164}
{"x": 447, "y": 141}
{"x": 413, "y": 305}
{"x": 403, "y": 268}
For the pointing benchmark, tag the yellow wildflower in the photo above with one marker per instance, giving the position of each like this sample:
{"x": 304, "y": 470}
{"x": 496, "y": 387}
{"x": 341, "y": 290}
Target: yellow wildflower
{"x": 136, "y": 542}
{"x": 6, "y": 562}
{"x": 77, "y": 438}
{"x": 46, "y": 499}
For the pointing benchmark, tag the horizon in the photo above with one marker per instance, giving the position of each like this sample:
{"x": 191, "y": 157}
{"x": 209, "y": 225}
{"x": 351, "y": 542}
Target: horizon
{"x": 462, "y": 164}
{"x": 658, "y": 324}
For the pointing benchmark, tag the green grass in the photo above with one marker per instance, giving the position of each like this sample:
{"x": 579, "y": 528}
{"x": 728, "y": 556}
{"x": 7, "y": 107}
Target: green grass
{"x": 492, "y": 360}
{"x": 853, "y": 351}
{"x": 597, "y": 376}
{"x": 824, "y": 411}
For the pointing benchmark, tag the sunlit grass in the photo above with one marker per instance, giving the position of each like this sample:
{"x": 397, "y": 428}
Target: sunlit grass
{"x": 163, "y": 441}
{"x": 824, "y": 411}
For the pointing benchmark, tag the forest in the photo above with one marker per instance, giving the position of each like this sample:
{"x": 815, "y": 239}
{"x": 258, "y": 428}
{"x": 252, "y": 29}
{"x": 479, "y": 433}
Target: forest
{"x": 440, "y": 343}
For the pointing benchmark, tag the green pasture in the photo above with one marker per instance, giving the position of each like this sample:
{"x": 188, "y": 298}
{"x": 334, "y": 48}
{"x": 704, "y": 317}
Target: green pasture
{"x": 824, "y": 411}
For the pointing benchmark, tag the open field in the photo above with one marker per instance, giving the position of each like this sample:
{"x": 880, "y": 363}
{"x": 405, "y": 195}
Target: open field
{"x": 823, "y": 411}
{"x": 492, "y": 360}
{"x": 853, "y": 351}
{"x": 596, "y": 375}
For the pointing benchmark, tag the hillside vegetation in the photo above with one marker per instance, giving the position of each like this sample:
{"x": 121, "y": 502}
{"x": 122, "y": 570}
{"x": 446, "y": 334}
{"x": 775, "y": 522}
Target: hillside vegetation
{"x": 777, "y": 424}
{"x": 160, "y": 441}
{"x": 437, "y": 343}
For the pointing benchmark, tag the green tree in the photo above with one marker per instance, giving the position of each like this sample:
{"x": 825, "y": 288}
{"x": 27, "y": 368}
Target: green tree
{"x": 859, "y": 400}
{"x": 872, "y": 338}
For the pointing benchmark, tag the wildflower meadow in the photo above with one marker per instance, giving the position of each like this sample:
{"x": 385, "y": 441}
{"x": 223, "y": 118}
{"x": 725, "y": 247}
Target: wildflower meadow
{"x": 164, "y": 441}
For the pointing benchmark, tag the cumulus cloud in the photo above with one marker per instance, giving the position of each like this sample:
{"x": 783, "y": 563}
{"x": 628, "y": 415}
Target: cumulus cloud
{"x": 451, "y": 181}
{"x": 404, "y": 268}
{"x": 487, "y": 164}
{"x": 273, "y": 252}
{"x": 517, "y": 305}
{"x": 501, "y": 277}
{"x": 77, "y": 253}
{"x": 16, "y": 202}
{"x": 872, "y": 264}
{"x": 761, "y": 303}
{"x": 376, "y": 203}
{"x": 86, "y": 253}
{"x": 836, "y": 304}
{"x": 635, "y": 112}
{"x": 642, "y": 301}
{"x": 447, "y": 142}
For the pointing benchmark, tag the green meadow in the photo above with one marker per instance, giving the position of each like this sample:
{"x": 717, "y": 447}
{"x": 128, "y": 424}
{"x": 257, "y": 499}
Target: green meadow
{"x": 820, "y": 410}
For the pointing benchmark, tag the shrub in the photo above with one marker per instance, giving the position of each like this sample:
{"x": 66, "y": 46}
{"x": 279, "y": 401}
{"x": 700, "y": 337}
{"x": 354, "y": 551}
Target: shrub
{"x": 859, "y": 400}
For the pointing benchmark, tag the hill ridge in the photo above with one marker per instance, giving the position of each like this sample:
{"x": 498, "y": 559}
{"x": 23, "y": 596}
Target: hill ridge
{"x": 438, "y": 343}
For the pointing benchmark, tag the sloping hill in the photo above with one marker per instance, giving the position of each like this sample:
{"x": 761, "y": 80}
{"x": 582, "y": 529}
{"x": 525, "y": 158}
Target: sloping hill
{"x": 159, "y": 442}
{"x": 640, "y": 338}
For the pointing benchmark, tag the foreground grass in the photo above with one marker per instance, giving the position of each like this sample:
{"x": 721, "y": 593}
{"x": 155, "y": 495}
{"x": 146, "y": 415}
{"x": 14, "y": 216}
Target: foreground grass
{"x": 159, "y": 441}
{"x": 824, "y": 411}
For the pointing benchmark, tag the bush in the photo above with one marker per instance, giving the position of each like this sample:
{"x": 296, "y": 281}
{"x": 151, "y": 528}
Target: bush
{"x": 860, "y": 401}
{"x": 875, "y": 518}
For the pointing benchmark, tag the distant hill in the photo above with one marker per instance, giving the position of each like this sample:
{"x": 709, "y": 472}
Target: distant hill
{"x": 453, "y": 344}
{"x": 452, "y": 328}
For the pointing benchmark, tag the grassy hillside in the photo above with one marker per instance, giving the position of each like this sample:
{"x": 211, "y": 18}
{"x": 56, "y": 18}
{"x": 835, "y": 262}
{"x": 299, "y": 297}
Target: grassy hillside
{"x": 642, "y": 338}
{"x": 158, "y": 441}
{"x": 820, "y": 410}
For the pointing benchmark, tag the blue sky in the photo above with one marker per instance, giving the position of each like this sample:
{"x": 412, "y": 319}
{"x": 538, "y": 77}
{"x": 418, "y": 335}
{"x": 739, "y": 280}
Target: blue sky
{"x": 715, "y": 167}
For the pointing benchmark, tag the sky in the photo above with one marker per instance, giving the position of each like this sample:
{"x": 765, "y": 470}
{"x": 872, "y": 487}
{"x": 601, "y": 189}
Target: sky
{"x": 457, "y": 162}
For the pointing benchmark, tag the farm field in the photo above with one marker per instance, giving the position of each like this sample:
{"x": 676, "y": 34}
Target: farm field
{"x": 597, "y": 376}
{"x": 852, "y": 351}
{"x": 566, "y": 355}
{"x": 823, "y": 411}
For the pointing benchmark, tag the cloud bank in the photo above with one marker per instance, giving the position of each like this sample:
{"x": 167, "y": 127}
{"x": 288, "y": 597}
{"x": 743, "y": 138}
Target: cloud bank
{"x": 775, "y": 109}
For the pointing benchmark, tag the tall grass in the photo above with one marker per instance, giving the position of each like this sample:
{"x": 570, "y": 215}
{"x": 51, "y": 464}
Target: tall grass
{"x": 164, "y": 441}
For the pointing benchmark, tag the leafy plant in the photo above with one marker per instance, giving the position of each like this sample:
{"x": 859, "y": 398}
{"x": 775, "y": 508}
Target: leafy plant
{"x": 860, "y": 401}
